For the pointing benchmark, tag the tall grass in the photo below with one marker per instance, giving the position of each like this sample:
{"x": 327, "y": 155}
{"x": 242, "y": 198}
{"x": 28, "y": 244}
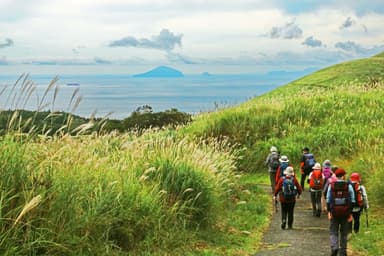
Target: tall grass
{"x": 96, "y": 195}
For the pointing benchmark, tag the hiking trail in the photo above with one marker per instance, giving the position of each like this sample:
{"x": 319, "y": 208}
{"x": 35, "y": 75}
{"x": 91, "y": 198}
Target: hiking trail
{"x": 309, "y": 236}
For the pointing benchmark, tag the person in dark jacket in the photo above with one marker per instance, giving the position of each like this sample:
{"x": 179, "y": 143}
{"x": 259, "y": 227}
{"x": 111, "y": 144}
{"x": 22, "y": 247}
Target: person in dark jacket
{"x": 287, "y": 200}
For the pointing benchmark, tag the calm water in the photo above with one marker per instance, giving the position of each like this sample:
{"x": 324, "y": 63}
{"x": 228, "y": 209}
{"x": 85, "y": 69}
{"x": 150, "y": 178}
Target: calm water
{"x": 122, "y": 94}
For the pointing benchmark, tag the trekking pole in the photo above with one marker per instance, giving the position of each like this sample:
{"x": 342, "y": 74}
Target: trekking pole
{"x": 366, "y": 217}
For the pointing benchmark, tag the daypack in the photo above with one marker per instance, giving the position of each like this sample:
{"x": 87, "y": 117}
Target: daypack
{"x": 340, "y": 203}
{"x": 309, "y": 162}
{"x": 327, "y": 171}
{"x": 289, "y": 189}
{"x": 274, "y": 161}
{"x": 358, "y": 194}
{"x": 283, "y": 166}
{"x": 316, "y": 181}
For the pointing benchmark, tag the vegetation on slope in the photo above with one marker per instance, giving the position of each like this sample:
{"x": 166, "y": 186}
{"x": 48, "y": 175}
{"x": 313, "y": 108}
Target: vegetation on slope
{"x": 336, "y": 112}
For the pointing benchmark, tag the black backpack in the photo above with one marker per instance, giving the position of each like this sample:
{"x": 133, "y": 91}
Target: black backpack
{"x": 274, "y": 161}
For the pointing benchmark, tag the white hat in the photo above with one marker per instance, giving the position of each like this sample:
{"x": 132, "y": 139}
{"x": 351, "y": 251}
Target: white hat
{"x": 317, "y": 166}
{"x": 289, "y": 171}
{"x": 273, "y": 149}
{"x": 284, "y": 159}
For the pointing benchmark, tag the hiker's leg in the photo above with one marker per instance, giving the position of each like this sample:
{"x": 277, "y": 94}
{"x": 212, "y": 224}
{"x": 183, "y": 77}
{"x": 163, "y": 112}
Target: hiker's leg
{"x": 313, "y": 201}
{"x": 302, "y": 180}
{"x": 318, "y": 202}
{"x": 344, "y": 228}
{"x": 291, "y": 208}
{"x": 334, "y": 234}
{"x": 284, "y": 212}
{"x": 272, "y": 176}
{"x": 356, "y": 221}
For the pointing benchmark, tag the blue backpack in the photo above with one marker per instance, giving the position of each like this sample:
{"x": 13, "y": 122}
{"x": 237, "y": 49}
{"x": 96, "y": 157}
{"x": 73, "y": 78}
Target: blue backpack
{"x": 283, "y": 166}
{"x": 309, "y": 162}
{"x": 289, "y": 189}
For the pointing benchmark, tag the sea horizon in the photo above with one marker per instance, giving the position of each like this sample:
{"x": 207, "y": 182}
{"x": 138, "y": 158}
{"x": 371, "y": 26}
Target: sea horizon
{"x": 118, "y": 95}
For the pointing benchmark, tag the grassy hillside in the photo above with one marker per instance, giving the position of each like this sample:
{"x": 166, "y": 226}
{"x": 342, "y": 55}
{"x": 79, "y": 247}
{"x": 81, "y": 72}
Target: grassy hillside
{"x": 190, "y": 190}
{"x": 337, "y": 112}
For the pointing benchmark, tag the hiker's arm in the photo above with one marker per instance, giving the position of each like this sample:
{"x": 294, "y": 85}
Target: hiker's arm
{"x": 351, "y": 194}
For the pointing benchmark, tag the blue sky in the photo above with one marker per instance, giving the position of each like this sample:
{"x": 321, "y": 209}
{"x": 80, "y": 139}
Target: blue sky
{"x": 216, "y": 36}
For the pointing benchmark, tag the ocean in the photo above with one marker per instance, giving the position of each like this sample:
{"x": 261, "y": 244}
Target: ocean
{"x": 119, "y": 95}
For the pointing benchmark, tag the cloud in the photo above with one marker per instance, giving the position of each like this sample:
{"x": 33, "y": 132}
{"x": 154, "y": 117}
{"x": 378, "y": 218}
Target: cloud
{"x": 352, "y": 47}
{"x": 347, "y": 23}
{"x": 8, "y": 43}
{"x": 310, "y": 41}
{"x": 288, "y": 31}
{"x": 166, "y": 40}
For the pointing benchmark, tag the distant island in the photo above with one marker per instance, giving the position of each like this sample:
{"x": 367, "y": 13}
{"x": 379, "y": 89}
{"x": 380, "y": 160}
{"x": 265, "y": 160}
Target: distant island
{"x": 161, "y": 71}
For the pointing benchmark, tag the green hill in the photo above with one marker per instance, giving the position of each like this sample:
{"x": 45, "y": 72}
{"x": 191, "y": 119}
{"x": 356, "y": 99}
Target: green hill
{"x": 337, "y": 112}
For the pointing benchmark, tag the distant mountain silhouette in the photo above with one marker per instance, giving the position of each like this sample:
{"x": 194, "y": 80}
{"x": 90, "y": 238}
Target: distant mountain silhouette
{"x": 161, "y": 71}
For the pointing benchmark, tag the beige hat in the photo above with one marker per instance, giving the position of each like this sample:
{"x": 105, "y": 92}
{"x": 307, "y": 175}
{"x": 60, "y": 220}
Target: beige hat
{"x": 317, "y": 166}
{"x": 284, "y": 159}
{"x": 289, "y": 171}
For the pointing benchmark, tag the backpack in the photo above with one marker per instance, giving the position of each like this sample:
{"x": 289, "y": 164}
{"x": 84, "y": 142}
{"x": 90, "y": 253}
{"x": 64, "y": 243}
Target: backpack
{"x": 316, "y": 182}
{"x": 289, "y": 189}
{"x": 340, "y": 203}
{"x": 358, "y": 194}
{"x": 274, "y": 161}
{"x": 327, "y": 171}
{"x": 309, "y": 162}
{"x": 283, "y": 166}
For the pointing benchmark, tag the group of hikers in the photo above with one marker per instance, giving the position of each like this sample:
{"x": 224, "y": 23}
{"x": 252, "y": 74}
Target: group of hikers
{"x": 331, "y": 193}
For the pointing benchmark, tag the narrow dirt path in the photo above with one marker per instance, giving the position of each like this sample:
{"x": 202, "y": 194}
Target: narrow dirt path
{"x": 309, "y": 236}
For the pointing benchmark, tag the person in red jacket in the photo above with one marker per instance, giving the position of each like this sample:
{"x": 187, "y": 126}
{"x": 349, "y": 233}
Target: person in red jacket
{"x": 288, "y": 189}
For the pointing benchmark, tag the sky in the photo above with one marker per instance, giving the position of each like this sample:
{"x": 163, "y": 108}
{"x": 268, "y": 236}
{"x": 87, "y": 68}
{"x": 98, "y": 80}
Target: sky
{"x": 193, "y": 36}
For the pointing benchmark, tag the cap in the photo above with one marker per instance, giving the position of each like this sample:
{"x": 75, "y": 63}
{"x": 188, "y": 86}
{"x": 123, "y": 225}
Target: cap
{"x": 340, "y": 172}
{"x": 355, "y": 177}
{"x": 273, "y": 149}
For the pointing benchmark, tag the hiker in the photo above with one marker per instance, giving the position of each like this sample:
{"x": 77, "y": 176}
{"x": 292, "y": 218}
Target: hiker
{"x": 284, "y": 163}
{"x": 288, "y": 189}
{"x": 361, "y": 201}
{"x": 327, "y": 172}
{"x": 340, "y": 197}
{"x": 273, "y": 164}
{"x": 307, "y": 161}
{"x": 316, "y": 184}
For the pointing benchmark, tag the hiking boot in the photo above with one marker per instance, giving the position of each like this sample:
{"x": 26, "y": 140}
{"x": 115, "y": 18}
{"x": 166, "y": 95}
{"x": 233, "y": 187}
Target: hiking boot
{"x": 334, "y": 252}
{"x": 283, "y": 225}
{"x": 290, "y": 227}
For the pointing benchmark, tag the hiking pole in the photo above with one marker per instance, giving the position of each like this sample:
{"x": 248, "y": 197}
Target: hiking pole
{"x": 366, "y": 217}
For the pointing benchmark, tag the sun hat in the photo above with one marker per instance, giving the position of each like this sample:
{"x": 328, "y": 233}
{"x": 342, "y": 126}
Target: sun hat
{"x": 284, "y": 159}
{"x": 273, "y": 149}
{"x": 340, "y": 172}
{"x": 317, "y": 166}
{"x": 327, "y": 163}
{"x": 289, "y": 171}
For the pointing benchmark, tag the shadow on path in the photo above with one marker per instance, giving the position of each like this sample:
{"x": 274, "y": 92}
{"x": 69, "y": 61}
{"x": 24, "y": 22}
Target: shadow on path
{"x": 309, "y": 236}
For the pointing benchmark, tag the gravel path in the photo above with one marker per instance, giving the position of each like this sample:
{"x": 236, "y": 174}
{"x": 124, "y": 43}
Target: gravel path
{"x": 309, "y": 236}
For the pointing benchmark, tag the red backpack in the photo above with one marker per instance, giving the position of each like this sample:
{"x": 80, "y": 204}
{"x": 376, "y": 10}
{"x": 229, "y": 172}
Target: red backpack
{"x": 358, "y": 194}
{"x": 340, "y": 202}
{"x": 316, "y": 182}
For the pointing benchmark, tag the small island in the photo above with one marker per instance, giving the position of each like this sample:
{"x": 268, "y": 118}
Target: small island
{"x": 161, "y": 71}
